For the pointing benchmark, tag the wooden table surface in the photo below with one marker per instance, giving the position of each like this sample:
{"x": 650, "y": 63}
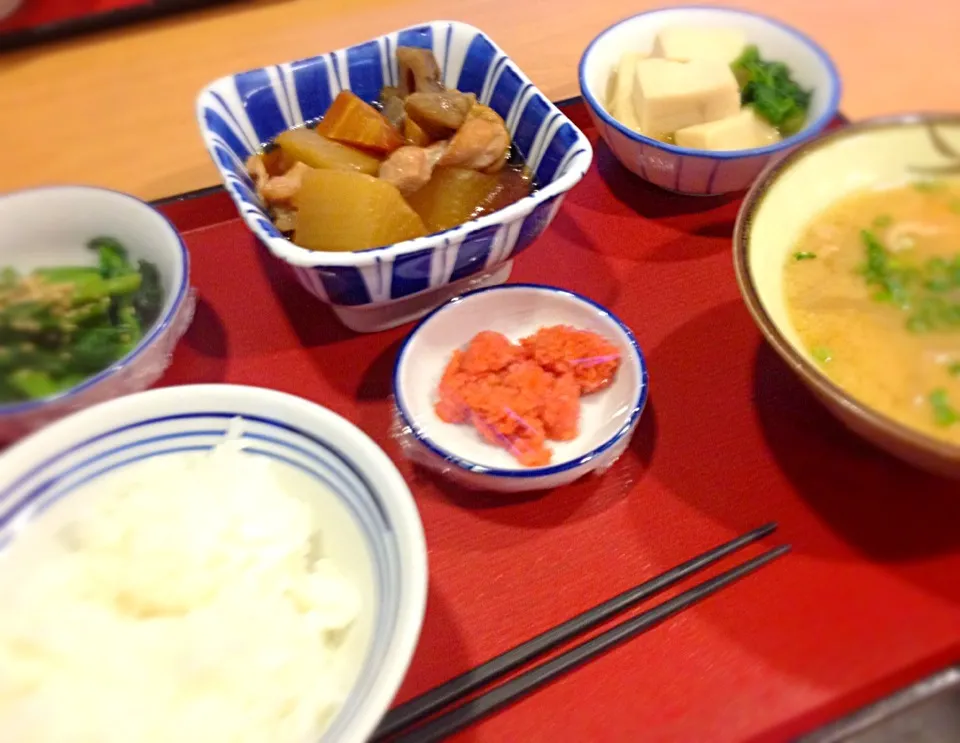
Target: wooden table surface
{"x": 117, "y": 109}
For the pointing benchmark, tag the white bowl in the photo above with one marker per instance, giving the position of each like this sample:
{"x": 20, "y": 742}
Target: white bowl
{"x": 375, "y": 289}
{"x": 608, "y": 418}
{"x": 703, "y": 172}
{"x": 377, "y": 538}
{"x": 51, "y": 226}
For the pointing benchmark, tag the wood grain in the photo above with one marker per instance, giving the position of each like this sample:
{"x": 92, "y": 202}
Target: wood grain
{"x": 116, "y": 109}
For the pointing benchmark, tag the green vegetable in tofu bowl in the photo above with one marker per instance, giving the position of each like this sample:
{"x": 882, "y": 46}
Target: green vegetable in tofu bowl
{"x": 769, "y": 88}
{"x": 63, "y": 324}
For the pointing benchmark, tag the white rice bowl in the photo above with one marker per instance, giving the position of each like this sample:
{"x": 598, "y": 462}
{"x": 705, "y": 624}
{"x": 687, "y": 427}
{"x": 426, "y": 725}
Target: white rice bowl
{"x": 190, "y": 600}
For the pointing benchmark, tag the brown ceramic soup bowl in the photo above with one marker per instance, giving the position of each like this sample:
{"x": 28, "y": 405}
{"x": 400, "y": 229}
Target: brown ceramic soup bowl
{"x": 787, "y": 197}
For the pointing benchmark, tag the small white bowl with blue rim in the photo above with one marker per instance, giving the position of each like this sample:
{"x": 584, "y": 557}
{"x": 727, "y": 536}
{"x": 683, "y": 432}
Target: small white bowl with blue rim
{"x": 51, "y": 226}
{"x": 702, "y": 172}
{"x": 608, "y": 418}
{"x": 380, "y": 288}
{"x": 378, "y": 543}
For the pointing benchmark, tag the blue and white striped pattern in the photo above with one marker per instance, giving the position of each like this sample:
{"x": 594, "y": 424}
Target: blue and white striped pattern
{"x": 238, "y": 113}
{"x": 94, "y": 457}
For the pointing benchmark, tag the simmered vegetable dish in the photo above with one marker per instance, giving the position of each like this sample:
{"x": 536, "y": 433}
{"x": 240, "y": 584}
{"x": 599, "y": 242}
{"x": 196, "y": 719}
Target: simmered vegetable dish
{"x": 423, "y": 159}
{"x": 63, "y": 324}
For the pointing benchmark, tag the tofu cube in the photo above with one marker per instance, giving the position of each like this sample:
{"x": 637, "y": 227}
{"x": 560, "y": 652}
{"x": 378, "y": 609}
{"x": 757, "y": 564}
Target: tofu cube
{"x": 685, "y": 44}
{"x": 620, "y": 95}
{"x": 741, "y": 132}
{"x": 669, "y": 95}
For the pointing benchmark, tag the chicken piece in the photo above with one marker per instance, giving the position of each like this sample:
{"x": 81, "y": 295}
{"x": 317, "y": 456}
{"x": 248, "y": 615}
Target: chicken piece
{"x": 283, "y": 188}
{"x": 276, "y": 162}
{"x": 409, "y": 168}
{"x": 284, "y": 218}
{"x": 482, "y": 143}
{"x": 278, "y": 185}
{"x": 257, "y": 170}
{"x": 419, "y": 71}
{"x": 391, "y": 106}
{"x": 439, "y": 113}
{"x": 902, "y": 235}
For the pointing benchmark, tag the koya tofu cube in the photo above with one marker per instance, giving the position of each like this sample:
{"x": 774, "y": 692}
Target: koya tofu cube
{"x": 684, "y": 44}
{"x": 620, "y": 97}
{"x": 670, "y": 95}
{"x": 741, "y": 132}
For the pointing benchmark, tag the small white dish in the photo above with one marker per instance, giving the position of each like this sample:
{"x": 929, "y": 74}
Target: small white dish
{"x": 51, "y": 226}
{"x": 374, "y": 530}
{"x": 608, "y": 418}
{"x": 703, "y": 172}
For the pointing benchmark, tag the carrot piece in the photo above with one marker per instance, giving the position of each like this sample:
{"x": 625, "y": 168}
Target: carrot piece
{"x": 352, "y": 121}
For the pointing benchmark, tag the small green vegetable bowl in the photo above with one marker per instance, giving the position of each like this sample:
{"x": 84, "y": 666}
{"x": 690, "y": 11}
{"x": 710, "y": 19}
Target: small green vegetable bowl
{"x": 785, "y": 199}
{"x": 94, "y": 295}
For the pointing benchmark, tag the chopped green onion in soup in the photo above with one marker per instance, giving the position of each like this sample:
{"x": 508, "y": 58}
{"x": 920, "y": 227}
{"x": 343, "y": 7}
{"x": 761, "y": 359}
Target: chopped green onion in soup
{"x": 888, "y": 298}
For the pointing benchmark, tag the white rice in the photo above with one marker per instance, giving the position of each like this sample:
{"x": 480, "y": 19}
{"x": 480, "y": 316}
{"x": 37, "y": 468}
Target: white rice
{"x": 187, "y": 605}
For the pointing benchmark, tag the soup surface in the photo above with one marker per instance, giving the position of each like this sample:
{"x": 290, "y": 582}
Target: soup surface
{"x": 873, "y": 290}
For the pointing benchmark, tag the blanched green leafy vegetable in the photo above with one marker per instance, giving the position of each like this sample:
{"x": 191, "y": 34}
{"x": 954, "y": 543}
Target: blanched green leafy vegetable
{"x": 112, "y": 257}
{"x": 32, "y": 383}
{"x": 62, "y": 324}
{"x": 773, "y": 93}
{"x": 148, "y": 299}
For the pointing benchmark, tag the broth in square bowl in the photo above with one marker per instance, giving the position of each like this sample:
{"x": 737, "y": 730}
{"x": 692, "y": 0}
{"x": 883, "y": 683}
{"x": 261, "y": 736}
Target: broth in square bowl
{"x": 873, "y": 291}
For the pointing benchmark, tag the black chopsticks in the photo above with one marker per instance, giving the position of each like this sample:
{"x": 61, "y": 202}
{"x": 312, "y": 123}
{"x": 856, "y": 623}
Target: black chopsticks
{"x": 418, "y": 709}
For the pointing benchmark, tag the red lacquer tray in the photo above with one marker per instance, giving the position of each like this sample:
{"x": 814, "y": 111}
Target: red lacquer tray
{"x": 868, "y": 600}
{"x": 37, "y": 21}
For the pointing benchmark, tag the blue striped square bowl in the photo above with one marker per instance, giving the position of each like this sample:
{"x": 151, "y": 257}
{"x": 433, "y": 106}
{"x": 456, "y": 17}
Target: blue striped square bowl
{"x": 383, "y": 287}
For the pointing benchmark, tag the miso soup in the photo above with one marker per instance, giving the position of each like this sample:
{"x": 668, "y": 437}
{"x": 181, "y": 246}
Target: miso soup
{"x": 873, "y": 290}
